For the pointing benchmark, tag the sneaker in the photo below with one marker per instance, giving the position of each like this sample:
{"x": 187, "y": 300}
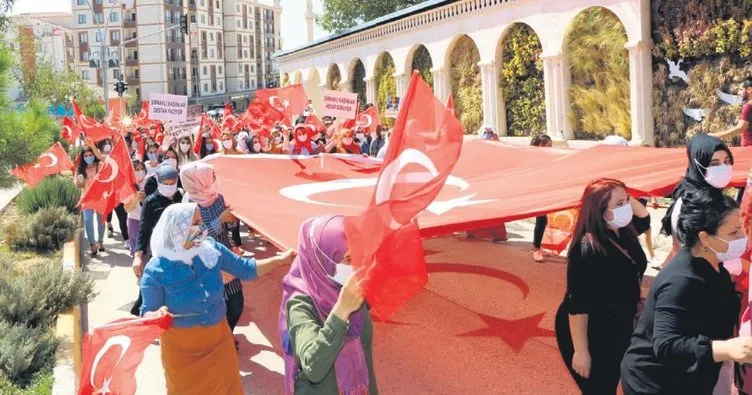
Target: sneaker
{"x": 538, "y": 256}
{"x": 126, "y": 245}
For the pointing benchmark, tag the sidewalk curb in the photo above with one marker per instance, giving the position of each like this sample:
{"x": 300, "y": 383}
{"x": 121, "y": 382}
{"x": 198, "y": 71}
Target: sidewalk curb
{"x": 69, "y": 332}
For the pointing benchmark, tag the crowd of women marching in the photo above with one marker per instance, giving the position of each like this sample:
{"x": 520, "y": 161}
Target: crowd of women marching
{"x": 682, "y": 337}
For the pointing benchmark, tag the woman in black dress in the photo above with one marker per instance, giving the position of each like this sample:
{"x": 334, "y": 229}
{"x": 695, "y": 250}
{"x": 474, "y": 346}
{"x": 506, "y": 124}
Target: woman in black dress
{"x": 606, "y": 263}
{"x": 686, "y": 330}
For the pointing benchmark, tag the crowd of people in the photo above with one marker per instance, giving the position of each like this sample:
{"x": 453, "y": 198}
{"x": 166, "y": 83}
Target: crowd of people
{"x": 683, "y": 337}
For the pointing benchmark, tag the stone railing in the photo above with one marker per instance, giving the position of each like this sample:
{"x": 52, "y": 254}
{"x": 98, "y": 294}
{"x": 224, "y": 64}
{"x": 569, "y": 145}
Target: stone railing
{"x": 430, "y": 17}
{"x": 69, "y": 332}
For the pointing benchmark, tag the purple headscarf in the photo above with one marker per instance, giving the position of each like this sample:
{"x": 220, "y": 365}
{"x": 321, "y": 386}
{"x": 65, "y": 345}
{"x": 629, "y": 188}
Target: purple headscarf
{"x": 309, "y": 275}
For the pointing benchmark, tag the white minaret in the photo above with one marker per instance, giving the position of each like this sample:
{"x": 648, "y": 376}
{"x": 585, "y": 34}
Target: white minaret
{"x": 309, "y": 19}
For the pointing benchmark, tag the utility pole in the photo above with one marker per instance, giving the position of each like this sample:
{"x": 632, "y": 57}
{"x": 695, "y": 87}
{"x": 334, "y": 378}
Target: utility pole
{"x": 103, "y": 65}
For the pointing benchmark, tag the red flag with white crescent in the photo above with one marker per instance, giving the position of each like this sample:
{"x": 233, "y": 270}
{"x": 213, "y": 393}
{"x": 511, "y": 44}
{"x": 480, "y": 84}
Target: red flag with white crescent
{"x": 115, "y": 181}
{"x": 450, "y": 104}
{"x": 229, "y": 120}
{"x": 316, "y": 123}
{"x": 290, "y": 100}
{"x": 112, "y": 353}
{"x": 91, "y": 128}
{"x": 54, "y": 161}
{"x": 369, "y": 119}
{"x": 70, "y": 130}
{"x": 385, "y": 240}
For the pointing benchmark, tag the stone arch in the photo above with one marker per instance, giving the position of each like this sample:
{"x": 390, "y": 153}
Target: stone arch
{"x": 594, "y": 46}
{"x": 284, "y": 80}
{"x": 461, "y": 63}
{"x": 333, "y": 77}
{"x": 312, "y": 87}
{"x": 297, "y": 77}
{"x": 357, "y": 73}
{"x": 521, "y": 92}
{"x": 420, "y": 59}
{"x": 384, "y": 82}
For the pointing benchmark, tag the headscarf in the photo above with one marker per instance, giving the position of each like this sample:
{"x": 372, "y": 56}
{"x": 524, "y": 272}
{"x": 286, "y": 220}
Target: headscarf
{"x": 200, "y": 183}
{"x": 171, "y": 232}
{"x": 297, "y": 145}
{"x": 309, "y": 275}
{"x": 242, "y": 142}
{"x": 699, "y": 150}
{"x": 353, "y": 148}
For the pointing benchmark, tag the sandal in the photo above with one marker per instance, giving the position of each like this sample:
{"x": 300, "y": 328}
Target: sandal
{"x": 110, "y": 231}
{"x": 93, "y": 250}
{"x": 538, "y": 256}
{"x": 101, "y": 247}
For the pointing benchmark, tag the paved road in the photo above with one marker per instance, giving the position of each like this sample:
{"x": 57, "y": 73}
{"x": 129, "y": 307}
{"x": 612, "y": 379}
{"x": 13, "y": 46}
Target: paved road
{"x": 396, "y": 346}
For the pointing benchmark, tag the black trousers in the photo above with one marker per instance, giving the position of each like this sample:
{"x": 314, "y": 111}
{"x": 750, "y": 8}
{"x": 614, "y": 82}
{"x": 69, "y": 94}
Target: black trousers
{"x": 136, "y": 309}
{"x": 608, "y": 340}
{"x": 234, "y": 302}
{"x": 236, "y": 235}
{"x": 122, "y": 217}
{"x": 540, "y": 229}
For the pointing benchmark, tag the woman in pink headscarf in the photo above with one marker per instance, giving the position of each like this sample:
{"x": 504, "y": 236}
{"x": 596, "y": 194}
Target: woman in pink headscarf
{"x": 324, "y": 325}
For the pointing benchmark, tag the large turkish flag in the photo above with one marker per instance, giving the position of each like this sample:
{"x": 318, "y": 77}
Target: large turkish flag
{"x": 115, "y": 181}
{"x": 290, "y": 100}
{"x": 51, "y": 162}
{"x": 112, "y": 353}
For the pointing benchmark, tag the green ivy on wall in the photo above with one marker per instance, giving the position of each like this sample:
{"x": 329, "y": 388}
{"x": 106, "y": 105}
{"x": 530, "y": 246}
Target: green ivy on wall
{"x": 599, "y": 93}
{"x": 386, "y": 86}
{"x": 466, "y": 84}
{"x": 422, "y": 62}
{"x": 358, "y": 84}
{"x": 333, "y": 78}
{"x": 521, "y": 82}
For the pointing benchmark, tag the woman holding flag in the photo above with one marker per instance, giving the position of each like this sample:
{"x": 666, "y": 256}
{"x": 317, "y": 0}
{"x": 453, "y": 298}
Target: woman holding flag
{"x": 184, "y": 279}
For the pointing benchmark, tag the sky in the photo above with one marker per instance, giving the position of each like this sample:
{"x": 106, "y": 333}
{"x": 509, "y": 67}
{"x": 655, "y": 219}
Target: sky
{"x": 293, "y": 17}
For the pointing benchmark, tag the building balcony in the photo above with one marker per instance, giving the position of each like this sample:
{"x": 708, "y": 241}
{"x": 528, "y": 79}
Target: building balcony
{"x": 132, "y": 79}
{"x": 129, "y": 23}
{"x": 132, "y": 44}
{"x": 131, "y": 61}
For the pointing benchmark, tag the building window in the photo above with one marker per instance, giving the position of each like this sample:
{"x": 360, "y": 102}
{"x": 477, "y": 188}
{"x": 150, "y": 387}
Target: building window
{"x": 81, "y": 2}
{"x": 203, "y": 19}
{"x": 211, "y": 53}
{"x": 98, "y": 37}
{"x": 253, "y": 69}
{"x": 245, "y": 53}
{"x": 115, "y": 73}
{"x": 211, "y": 37}
{"x": 240, "y": 68}
{"x": 206, "y": 87}
{"x": 205, "y": 70}
{"x": 85, "y": 56}
{"x": 98, "y": 18}
{"x": 219, "y": 21}
{"x": 203, "y": 4}
{"x": 237, "y": 23}
{"x": 253, "y": 84}
{"x": 85, "y": 74}
{"x": 221, "y": 86}
{"x": 240, "y": 85}
{"x": 245, "y": 39}
{"x": 115, "y": 35}
{"x": 82, "y": 19}
{"x": 114, "y": 16}
{"x": 83, "y": 37}
{"x": 220, "y": 69}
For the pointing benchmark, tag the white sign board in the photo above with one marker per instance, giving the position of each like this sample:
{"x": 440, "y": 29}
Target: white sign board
{"x": 191, "y": 124}
{"x": 166, "y": 107}
{"x": 341, "y": 105}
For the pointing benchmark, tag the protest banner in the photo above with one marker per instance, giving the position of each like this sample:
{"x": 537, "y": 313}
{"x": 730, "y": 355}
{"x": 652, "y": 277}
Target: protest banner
{"x": 341, "y": 105}
{"x": 166, "y": 107}
{"x": 192, "y": 122}
{"x": 392, "y": 107}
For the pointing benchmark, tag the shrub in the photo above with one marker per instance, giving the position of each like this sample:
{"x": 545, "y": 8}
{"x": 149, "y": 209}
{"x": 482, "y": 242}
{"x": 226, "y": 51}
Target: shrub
{"x": 521, "y": 80}
{"x": 47, "y": 230}
{"x": 36, "y": 298}
{"x": 41, "y": 384}
{"x": 24, "y": 351}
{"x": 50, "y": 192}
{"x": 466, "y": 84}
{"x": 385, "y": 85}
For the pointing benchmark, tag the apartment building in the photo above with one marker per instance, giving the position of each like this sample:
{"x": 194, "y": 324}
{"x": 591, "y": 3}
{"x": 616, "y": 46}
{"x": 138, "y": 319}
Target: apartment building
{"x": 208, "y": 65}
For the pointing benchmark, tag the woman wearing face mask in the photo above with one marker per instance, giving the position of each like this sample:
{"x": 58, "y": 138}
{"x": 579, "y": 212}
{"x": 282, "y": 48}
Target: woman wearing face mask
{"x": 346, "y": 143}
{"x": 184, "y": 279}
{"x": 325, "y": 327}
{"x": 302, "y": 145}
{"x": 208, "y": 146}
{"x": 487, "y": 133}
{"x": 155, "y": 204}
{"x": 686, "y": 331}
{"x": 278, "y": 144}
{"x": 377, "y": 141}
{"x": 102, "y": 150}
{"x": 255, "y": 145}
{"x": 168, "y": 158}
{"x": 229, "y": 144}
{"x": 242, "y": 139}
{"x": 88, "y": 166}
{"x": 131, "y": 141}
{"x": 152, "y": 158}
{"x": 363, "y": 140}
{"x": 133, "y": 205}
{"x": 185, "y": 151}
{"x": 710, "y": 168}
{"x": 201, "y": 188}
{"x": 606, "y": 263}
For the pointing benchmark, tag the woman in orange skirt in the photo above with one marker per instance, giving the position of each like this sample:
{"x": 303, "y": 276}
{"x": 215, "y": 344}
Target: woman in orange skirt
{"x": 183, "y": 278}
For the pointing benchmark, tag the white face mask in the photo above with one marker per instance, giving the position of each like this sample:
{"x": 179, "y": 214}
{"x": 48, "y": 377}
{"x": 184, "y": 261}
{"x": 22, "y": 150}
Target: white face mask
{"x": 735, "y": 249}
{"x": 107, "y": 148}
{"x": 342, "y": 272}
{"x": 302, "y": 138}
{"x": 359, "y": 136}
{"x": 171, "y": 162}
{"x": 717, "y": 176}
{"x": 347, "y": 141}
{"x": 257, "y": 147}
{"x": 185, "y": 147}
{"x": 278, "y": 140}
{"x": 134, "y": 146}
{"x": 227, "y": 144}
{"x": 167, "y": 190}
{"x": 622, "y": 216}
{"x": 140, "y": 174}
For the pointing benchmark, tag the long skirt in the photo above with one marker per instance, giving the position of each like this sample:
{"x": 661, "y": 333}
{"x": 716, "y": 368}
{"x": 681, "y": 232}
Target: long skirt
{"x": 201, "y": 360}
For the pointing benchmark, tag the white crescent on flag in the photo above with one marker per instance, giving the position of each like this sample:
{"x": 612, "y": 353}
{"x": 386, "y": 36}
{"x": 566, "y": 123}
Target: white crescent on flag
{"x": 114, "y": 170}
{"x": 67, "y": 131}
{"x": 281, "y": 104}
{"x": 121, "y": 340}
{"x": 53, "y": 158}
{"x": 365, "y": 121}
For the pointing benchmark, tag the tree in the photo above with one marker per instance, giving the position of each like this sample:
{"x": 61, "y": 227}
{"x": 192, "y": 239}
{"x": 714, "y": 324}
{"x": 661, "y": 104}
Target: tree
{"x": 466, "y": 84}
{"x": 522, "y": 82}
{"x": 340, "y": 15}
{"x": 358, "y": 84}
{"x": 422, "y": 62}
{"x": 385, "y": 85}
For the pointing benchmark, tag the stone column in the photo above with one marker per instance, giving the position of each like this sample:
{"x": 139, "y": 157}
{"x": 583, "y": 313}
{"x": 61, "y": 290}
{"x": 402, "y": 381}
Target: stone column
{"x": 370, "y": 90}
{"x": 401, "y": 81}
{"x": 640, "y": 91}
{"x": 490, "y": 86}
{"x": 440, "y": 84}
{"x": 557, "y": 79}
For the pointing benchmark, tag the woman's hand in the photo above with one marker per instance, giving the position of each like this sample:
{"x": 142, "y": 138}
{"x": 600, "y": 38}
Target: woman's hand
{"x": 739, "y": 349}
{"x": 581, "y": 363}
{"x": 140, "y": 196}
{"x": 226, "y": 217}
{"x": 138, "y": 265}
{"x": 350, "y": 298}
{"x": 163, "y": 311}
{"x": 287, "y": 257}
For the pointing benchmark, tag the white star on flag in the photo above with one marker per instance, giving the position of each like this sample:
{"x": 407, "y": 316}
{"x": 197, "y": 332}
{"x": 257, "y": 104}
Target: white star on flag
{"x": 286, "y": 103}
{"x": 37, "y": 166}
{"x": 105, "y": 387}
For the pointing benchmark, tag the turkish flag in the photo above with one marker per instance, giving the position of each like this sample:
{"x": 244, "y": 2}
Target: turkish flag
{"x": 290, "y": 100}
{"x": 70, "y": 130}
{"x": 264, "y": 114}
{"x": 91, "y": 128}
{"x": 112, "y": 353}
{"x": 214, "y": 131}
{"x": 315, "y": 123}
{"x": 450, "y": 104}
{"x": 385, "y": 240}
{"x": 369, "y": 119}
{"x": 115, "y": 181}
{"x": 559, "y": 230}
{"x": 229, "y": 121}
{"x": 51, "y": 162}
